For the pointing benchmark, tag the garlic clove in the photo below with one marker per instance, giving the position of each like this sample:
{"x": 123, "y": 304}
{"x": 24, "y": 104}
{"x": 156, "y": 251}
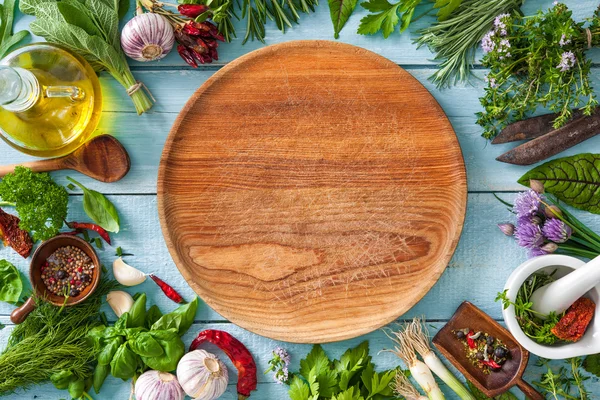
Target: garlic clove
{"x": 126, "y": 274}
{"x": 120, "y": 302}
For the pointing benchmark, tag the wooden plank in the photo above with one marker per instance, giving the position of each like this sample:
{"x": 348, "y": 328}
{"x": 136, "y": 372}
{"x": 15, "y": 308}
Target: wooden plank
{"x": 398, "y": 48}
{"x": 261, "y": 349}
{"x": 481, "y": 264}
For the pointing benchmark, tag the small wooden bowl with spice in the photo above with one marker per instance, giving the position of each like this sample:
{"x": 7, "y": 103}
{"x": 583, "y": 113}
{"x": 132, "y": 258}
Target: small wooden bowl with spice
{"x": 64, "y": 270}
{"x": 451, "y": 341}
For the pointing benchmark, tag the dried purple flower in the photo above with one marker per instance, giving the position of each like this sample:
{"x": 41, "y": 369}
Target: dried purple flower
{"x": 507, "y": 228}
{"x": 529, "y": 235}
{"x": 556, "y": 230}
{"x": 527, "y": 204}
{"x": 567, "y": 61}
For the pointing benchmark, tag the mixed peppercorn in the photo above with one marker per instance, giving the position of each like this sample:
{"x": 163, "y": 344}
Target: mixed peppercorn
{"x": 483, "y": 350}
{"x": 67, "y": 271}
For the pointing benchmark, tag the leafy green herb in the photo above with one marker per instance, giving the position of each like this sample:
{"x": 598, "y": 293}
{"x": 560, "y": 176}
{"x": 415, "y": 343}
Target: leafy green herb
{"x": 574, "y": 180}
{"x": 11, "y": 285}
{"x": 98, "y": 243}
{"x": 181, "y": 319}
{"x": 99, "y": 209}
{"x": 340, "y": 11}
{"x": 352, "y": 377}
{"x": 564, "y": 383}
{"x": 592, "y": 364}
{"x": 52, "y": 340}
{"x": 39, "y": 201}
{"x": 89, "y": 28}
{"x": 70, "y": 186}
{"x": 529, "y": 320}
{"x": 537, "y": 61}
{"x": 7, "y": 38}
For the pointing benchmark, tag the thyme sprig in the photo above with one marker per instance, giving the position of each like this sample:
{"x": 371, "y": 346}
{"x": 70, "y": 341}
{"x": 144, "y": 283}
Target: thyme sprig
{"x": 565, "y": 383}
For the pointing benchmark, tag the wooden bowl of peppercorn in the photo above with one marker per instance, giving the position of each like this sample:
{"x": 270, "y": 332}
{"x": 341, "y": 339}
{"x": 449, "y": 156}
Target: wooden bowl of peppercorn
{"x": 73, "y": 289}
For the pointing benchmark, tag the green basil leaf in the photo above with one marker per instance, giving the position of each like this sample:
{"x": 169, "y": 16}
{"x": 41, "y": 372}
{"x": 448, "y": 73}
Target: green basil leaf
{"x": 152, "y": 315}
{"x": 123, "y": 322}
{"x": 340, "y": 11}
{"x": 62, "y": 379}
{"x": 108, "y": 351}
{"x": 146, "y": 346}
{"x": 76, "y": 388}
{"x": 100, "y": 374}
{"x": 173, "y": 348}
{"x": 181, "y": 319}
{"x": 575, "y": 180}
{"x": 11, "y": 285}
{"x": 124, "y": 363}
{"x": 137, "y": 314}
{"x": 99, "y": 208}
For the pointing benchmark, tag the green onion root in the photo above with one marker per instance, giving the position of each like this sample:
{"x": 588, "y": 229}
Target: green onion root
{"x": 402, "y": 387}
{"x": 418, "y": 336}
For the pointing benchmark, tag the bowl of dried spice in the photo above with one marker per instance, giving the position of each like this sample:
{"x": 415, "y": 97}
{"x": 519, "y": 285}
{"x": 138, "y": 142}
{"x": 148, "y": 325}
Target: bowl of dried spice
{"x": 64, "y": 271}
{"x": 556, "y": 335}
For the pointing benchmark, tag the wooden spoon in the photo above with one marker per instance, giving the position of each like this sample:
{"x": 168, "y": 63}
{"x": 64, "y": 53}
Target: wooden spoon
{"x": 102, "y": 158}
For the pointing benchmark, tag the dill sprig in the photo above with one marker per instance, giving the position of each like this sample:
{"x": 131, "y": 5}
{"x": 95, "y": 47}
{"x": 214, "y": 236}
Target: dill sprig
{"x": 455, "y": 39}
{"x": 52, "y": 339}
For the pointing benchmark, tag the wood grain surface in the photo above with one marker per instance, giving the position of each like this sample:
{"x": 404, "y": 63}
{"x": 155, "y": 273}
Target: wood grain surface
{"x": 312, "y": 191}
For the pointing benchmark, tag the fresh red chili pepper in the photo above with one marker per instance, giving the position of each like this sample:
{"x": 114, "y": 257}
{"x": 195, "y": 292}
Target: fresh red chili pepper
{"x": 192, "y": 10}
{"x": 92, "y": 227}
{"x": 470, "y": 341}
{"x": 186, "y": 56}
{"x": 168, "y": 290}
{"x": 238, "y": 353}
{"x": 492, "y": 364}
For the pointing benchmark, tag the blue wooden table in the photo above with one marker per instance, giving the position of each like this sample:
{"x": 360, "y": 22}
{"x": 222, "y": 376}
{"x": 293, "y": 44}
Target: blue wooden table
{"x": 482, "y": 262}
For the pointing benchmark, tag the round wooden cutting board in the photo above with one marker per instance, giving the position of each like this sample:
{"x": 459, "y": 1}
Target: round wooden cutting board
{"x": 311, "y": 191}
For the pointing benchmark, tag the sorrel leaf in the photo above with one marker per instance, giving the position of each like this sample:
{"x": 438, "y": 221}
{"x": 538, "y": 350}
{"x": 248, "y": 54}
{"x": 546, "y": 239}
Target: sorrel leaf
{"x": 340, "y": 11}
{"x": 575, "y": 180}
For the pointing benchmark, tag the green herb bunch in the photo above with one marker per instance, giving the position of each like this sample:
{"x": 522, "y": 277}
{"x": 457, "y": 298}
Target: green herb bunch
{"x": 537, "y": 61}
{"x": 141, "y": 339}
{"x": 89, "y": 28}
{"x": 352, "y": 377}
{"x": 52, "y": 344}
{"x": 531, "y": 321}
{"x": 39, "y": 201}
{"x": 565, "y": 383}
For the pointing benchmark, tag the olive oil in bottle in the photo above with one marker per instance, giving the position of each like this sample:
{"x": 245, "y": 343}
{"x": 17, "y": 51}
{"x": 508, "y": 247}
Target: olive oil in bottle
{"x": 50, "y": 100}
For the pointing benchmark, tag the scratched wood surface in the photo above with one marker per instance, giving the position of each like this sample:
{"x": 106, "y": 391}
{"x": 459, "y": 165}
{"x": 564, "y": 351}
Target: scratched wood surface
{"x": 481, "y": 264}
{"x": 325, "y": 204}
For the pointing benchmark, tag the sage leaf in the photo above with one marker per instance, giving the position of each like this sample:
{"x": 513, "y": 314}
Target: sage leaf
{"x": 99, "y": 208}
{"x": 340, "y": 11}
{"x": 7, "y": 39}
{"x": 575, "y": 180}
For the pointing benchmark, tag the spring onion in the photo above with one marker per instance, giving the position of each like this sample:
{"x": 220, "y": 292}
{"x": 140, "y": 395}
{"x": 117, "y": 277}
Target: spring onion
{"x": 402, "y": 387}
{"x": 404, "y": 350}
{"x": 418, "y": 335}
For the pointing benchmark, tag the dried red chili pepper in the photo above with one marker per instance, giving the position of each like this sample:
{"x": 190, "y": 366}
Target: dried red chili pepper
{"x": 91, "y": 227}
{"x": 238, "y": 353}
{"x": 192, "y": 10}
{"x": 470, "y": 341}
{"x": 492, "y": 364}
{"x": 168, "y": 290}
{"x": 198, "y": 42}
{"x": 185, "y": 54}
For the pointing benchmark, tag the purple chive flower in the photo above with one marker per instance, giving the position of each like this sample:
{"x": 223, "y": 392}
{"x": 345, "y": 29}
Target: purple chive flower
{"x": 567, "y": 61}
{"x": 282, "y": 354}
{"x": 563, "y": 41}
{"x": 556, "y": 230}
{"x": 487, "y": 43}
{"x": 537, "y": 251}
{"x": 549, "y": 247}
{"x": 527, "y": 204}
{"x": 507, "y": 229}
{"x": 529, "y": 235}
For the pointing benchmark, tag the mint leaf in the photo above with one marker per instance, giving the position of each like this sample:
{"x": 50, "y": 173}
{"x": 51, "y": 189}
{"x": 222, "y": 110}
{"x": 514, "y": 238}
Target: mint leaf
{"x": 592, "y": 364}
{"x": 298, "y": 389}
{"x": 446, "y": 7}
{"x": 315, "y": 359}
{"x": 340, "y": 11}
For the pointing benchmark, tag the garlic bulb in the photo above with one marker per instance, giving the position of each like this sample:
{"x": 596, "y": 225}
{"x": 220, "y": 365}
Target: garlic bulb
{"x": 120, "y": 302}
{"x": 147, "y": 37}
{"x": 127, "y": 275}
{"x": 202, "y": 375}
{"x": 154, "y": 385}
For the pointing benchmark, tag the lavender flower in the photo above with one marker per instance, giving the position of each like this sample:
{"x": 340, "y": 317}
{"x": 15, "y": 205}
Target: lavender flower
{"x": 563, "y": 41}
{"x": 529, "y": 235}
{"x": 507, "y": 229}
{"x": 556, "y": 230}
{"x": 567, "y": 61}
{"x": 487, "y": 43}
{"x": 527, "y": 204}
